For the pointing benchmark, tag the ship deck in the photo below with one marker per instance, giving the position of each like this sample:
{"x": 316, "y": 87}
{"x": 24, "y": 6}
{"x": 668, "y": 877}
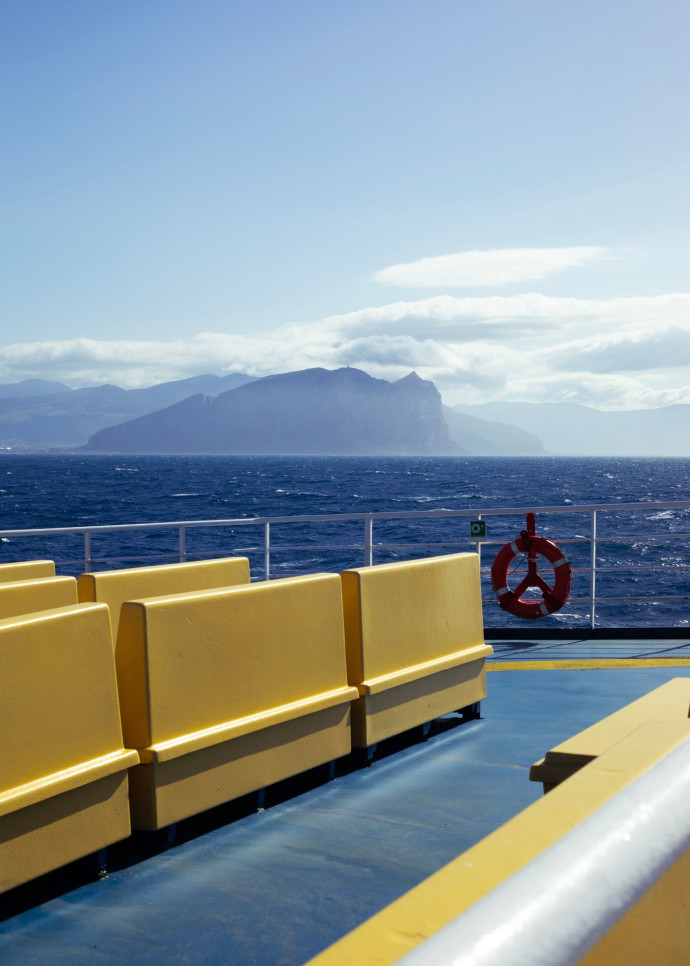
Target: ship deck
{"x": 277, "y": 885}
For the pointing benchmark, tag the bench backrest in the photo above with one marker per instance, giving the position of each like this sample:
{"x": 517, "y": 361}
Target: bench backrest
{"x": 26, "y": 570}
{"x": 28, "y": 596}
{"x": 58, "y": 696}
{"x": 114, "y": 587}
{"x": 192, "y": 661}
{"x": 402, "y": 614}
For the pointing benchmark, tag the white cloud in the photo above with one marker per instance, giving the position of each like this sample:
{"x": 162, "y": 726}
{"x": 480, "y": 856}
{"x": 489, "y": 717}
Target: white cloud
{"x": 637, "y": 350}
{"x": 499, "y": 317}
{"x": 599, "y": 390}
{"x": 624, "y": 352}
{"x": 498, "y": 266}
{"x": 127, "y": 363}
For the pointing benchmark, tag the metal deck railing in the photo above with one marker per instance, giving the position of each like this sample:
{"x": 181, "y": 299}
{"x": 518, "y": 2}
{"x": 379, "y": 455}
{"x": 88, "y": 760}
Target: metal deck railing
{"x": 604, "y": 557}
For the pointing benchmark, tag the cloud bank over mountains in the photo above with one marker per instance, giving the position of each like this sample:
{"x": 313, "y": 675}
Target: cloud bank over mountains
{"x": 616, "y": 353}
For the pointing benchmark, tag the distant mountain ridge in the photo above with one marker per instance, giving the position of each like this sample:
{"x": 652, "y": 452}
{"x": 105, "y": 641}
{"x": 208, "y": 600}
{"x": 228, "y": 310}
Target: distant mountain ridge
{"x": 31, "y": 387}
{"x": 366, "y": 416}
{"x": 570, "y": 429}
{"x": 313, "y": 411}
{"x": 33, "y": 414}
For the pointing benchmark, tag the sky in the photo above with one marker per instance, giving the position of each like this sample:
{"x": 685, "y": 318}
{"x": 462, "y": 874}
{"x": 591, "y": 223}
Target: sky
{"x": 491, "y": 193}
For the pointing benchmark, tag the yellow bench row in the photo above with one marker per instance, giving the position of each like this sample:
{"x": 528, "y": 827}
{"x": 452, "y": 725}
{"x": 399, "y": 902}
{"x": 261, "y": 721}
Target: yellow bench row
{"x": 214, "y": 693}
{"x": 32, "y": 585}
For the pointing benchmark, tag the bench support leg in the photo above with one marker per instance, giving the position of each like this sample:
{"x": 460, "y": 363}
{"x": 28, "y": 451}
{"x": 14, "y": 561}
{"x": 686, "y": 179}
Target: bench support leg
{"x": 364, "y": 756}
{"x": 96, "y": 864}
{"x": 472, "y": 712}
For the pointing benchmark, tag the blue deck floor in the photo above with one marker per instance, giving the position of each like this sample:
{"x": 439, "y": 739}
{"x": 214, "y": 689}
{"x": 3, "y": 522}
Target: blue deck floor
{"x": 277, "y": 886}
{"x": 580, "y": 649}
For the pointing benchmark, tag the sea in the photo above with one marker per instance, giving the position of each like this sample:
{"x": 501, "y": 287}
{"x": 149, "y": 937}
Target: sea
{"x": 642, "y": 556}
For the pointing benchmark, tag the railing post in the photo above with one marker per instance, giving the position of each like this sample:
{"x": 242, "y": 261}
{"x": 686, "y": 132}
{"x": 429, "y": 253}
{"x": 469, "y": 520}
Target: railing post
{"x": 87, "y": 552}
{"x": 368, "y": 541}
{"x": 593, "y": 570}
{"x": 183, "y": 544}
{"x": 479, "y": 550}
{"x": 267, "y": 551}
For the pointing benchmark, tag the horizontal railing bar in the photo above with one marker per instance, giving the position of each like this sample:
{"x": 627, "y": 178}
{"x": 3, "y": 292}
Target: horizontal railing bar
{"x": 637, "y": 538}
{"x": 358, "y": 546}
{"x": 604, "y": 600}
{"x": 473, "y": 542}
{"x": 340, "y": 517}
{"x": 413, "y": 546}
{"x": 128, "y": 559}
{"x": 617, "y": 569}
{"x": 280, "y": 548}
{"x": 583, "y": 570}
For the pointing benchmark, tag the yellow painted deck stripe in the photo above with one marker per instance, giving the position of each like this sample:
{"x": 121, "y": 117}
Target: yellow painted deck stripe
{"x": 588, "y": 665}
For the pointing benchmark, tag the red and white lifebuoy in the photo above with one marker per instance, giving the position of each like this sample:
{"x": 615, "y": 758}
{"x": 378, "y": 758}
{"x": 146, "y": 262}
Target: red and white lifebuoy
{"x": 553, "y": 597}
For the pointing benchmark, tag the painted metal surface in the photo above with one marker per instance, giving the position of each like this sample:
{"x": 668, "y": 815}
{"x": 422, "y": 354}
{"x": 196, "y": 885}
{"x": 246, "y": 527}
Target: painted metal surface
{"x": 280, "y": 885}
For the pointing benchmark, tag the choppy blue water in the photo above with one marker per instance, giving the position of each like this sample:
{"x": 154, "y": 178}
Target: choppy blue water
{"x": 53, "y": 491}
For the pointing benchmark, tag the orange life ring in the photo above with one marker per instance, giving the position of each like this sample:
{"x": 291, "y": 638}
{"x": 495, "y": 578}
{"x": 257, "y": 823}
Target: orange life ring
{"x": 553, "y": 598}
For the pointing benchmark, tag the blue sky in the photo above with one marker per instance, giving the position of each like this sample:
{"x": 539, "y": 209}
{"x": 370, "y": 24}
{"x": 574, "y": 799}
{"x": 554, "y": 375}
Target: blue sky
{"x": 492, "y": 193}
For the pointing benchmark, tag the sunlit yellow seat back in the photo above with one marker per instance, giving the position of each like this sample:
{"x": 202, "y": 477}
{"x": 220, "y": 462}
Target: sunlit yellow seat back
{"x": 28, "y": 596}
{"x": 63, "y": 767}
{"x": 26, "y": 570}
{"x": 114, "y": 587}
{"x": 415, "y": 642}
{"x": 226, "y": 691}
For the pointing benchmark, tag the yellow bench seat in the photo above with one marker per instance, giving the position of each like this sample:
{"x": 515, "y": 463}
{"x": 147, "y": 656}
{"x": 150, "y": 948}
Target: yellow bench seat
{"x": 226, "y": 691}
{"x": 670, "y": 700}
{"x": 63, "y": 765}
{"x": 415, "y": 642}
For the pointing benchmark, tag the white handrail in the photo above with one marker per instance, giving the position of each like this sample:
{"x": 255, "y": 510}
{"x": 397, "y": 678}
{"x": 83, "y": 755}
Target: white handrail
{"x": 552, "y": 911}
{"x": 330, "y": 517}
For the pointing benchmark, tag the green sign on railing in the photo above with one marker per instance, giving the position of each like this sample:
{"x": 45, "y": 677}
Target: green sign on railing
{"x": 477, "y": 529}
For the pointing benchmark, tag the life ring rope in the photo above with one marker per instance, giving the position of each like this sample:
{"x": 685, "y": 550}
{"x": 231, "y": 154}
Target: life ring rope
{"x": 530, "y": 546}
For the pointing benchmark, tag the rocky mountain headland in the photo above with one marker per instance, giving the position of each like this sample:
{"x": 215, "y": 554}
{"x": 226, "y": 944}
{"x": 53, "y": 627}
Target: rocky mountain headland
{"x": 320, "y": 411}
{"x": 314, "y": 411}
